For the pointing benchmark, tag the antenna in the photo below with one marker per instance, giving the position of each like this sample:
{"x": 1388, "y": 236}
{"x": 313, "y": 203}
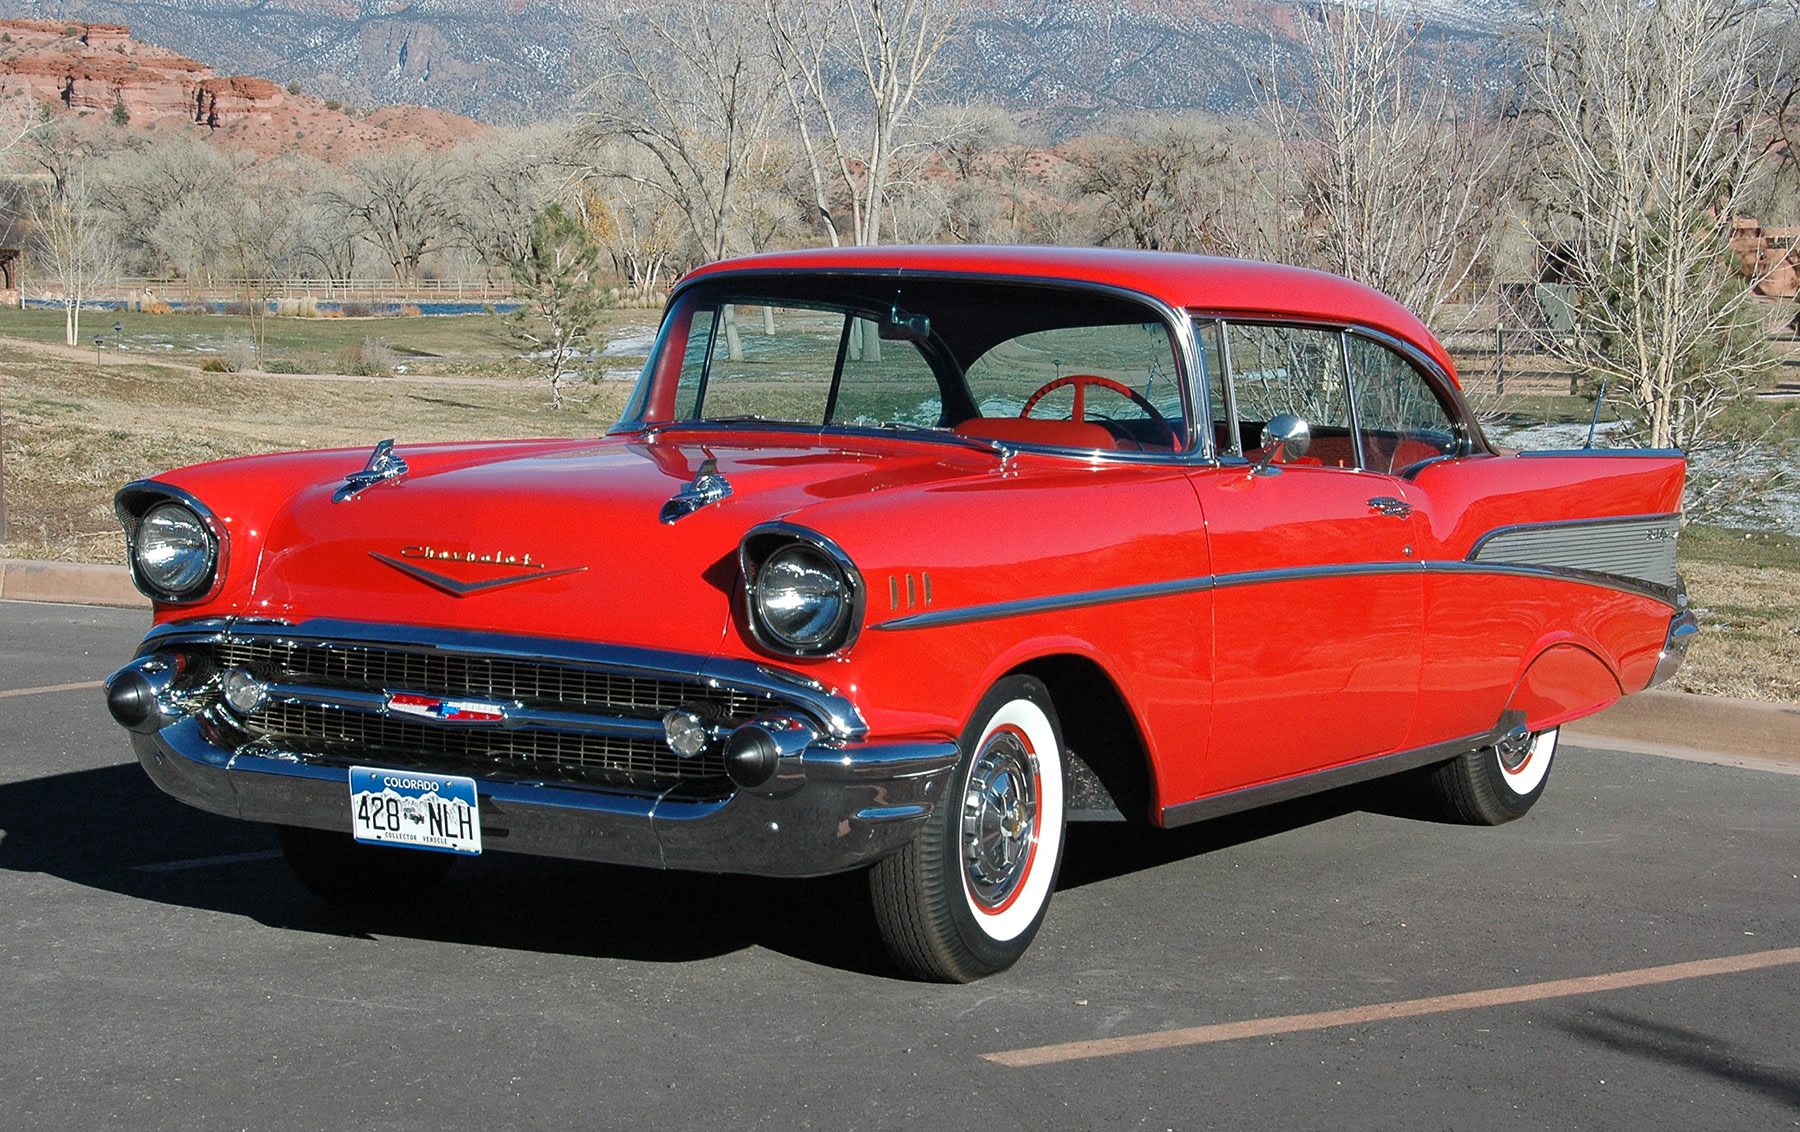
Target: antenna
{"x": 1599, "y": 399}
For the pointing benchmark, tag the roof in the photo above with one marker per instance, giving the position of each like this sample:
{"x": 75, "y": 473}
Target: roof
{"x": 1194, "y": 282}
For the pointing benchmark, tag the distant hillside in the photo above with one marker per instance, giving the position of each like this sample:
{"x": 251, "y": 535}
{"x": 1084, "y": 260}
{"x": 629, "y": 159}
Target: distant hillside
{"x": 101, "y": 70}
{"x": 1060, "y": 63}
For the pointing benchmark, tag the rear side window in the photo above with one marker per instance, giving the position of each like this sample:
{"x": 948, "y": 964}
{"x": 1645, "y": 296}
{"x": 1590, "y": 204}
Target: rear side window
{"x": 1403, "y": 422}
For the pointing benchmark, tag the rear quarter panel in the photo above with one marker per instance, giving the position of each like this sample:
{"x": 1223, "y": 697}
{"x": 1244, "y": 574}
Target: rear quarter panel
{"x": 1485, "y": 630}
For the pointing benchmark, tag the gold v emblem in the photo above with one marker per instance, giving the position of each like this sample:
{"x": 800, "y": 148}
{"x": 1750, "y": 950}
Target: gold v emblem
{"x": 457, "y": 588}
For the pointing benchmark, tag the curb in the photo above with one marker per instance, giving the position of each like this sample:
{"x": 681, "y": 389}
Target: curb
{"x": 1679, "y": 724}
{"x": 1684, "y": 725}
{"x": 70, "y": 583}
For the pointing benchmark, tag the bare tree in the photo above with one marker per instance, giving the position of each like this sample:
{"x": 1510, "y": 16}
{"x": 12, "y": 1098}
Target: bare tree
{"x": 400, "y": 199}
{"x": 888, "y": 49}
{"x": 261, "y": 230}
{"x": 690, "y": 84}
{"x": 1158, "y": 184}
{"x": 1389, "y": 169}
{"x": 1658, "y": 126}
{"x": 74, "y": 246}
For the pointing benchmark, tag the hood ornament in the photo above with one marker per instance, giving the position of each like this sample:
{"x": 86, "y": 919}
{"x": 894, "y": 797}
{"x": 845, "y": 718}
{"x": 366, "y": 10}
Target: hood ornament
{"x": 382, "y": 465}
{"x": 706, "y": 488}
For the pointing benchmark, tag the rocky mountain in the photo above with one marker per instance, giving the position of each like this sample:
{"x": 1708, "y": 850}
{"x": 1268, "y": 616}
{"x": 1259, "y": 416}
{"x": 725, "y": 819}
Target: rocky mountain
{"x": 1059, "y": 63}
{"x": 100, "y": 69}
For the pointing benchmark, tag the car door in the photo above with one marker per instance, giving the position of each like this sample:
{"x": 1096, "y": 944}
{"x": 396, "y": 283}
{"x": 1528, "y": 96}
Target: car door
{"x": 1318, "y": 597}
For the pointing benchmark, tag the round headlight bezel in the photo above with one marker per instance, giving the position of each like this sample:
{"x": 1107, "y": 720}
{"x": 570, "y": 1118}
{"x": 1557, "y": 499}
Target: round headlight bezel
{"x": 139, "y": 505}
{"x": 784, "y": 564}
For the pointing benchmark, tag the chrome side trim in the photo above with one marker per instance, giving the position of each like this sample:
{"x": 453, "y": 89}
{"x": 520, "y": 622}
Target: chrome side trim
{"x": 838, "y": 715}
{"x": 1288, "y": 789}
{"x": 939, "y": 618}
{"x": 1636, "y": 586}
{"x": 1640, "y": 453}
{"x": 1639, "y": 547}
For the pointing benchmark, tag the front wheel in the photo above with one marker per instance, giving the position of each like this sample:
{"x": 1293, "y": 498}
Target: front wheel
{"x": 966, "y": 897}
{"x": 339, "y": 869}
{"x": 1496, "y": 784}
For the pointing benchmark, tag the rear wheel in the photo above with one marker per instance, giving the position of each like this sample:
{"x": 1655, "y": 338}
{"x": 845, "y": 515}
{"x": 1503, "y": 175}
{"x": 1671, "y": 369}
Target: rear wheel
{"x": 965, "y": 899}
{"x": 339, "y": 869}
{"x": 1494, "y": 784}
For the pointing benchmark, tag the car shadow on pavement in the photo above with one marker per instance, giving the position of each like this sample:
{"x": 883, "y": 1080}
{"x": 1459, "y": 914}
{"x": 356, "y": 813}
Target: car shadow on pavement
{"x": 112, "y": 830}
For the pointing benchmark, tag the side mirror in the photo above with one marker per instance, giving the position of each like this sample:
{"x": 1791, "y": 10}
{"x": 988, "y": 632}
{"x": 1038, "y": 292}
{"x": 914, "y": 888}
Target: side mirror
{"x": 1286, "y": 437}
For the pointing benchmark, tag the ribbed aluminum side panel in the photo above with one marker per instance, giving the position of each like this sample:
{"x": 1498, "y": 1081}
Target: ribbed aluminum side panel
{"x": 1631, "y": 548}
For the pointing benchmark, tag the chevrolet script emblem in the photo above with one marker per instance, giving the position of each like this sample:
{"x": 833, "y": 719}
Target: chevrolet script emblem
{"x": 526, "y": 569}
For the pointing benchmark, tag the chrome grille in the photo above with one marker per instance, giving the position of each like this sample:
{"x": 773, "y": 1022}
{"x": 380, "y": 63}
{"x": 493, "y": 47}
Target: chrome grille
{"x": 326, "y": 731}
{"x": 374, "y": 669}
{"x": 316, "y": 730}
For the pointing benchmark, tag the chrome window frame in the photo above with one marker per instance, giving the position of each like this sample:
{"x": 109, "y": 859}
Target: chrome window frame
{"x": 1176, "y": 320}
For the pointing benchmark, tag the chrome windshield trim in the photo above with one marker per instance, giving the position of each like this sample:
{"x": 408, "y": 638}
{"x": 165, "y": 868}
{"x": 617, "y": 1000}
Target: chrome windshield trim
{"x": 1175, "y": 319}
{"x": 837, "y": 714}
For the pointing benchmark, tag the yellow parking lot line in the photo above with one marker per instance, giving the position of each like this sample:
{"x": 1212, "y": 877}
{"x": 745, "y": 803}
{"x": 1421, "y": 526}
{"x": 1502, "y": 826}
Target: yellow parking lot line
{"x": 1382, "y": 1011}
{"x": 51, "y": 688}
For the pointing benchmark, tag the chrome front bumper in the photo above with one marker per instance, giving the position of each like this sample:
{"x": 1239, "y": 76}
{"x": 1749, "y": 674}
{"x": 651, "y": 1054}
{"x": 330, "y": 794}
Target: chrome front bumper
{"x": 827, "y": 810}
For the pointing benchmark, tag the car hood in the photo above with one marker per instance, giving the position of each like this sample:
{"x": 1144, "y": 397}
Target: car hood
{"x": 563, "y": 541}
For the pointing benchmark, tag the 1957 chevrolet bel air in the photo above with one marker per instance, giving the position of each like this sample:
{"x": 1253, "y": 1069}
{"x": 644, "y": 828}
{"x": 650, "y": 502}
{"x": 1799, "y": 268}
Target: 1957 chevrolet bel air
{"x": 901, "y": 559}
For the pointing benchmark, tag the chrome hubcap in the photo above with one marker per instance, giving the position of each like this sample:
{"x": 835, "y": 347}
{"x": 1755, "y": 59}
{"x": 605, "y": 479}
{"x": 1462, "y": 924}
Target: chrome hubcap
{"x": 999, "y": 823}
{"x": 1514, "y": 748}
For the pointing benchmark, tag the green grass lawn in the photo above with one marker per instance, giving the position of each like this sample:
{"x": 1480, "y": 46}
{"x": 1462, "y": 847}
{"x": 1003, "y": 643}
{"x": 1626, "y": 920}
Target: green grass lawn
{"x": 468, "y": 344}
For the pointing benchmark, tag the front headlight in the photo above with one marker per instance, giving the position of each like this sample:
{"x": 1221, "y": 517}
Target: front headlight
{"x": 804, "y": 596}
{"x": 175, "y": 550}
{"x": 174, "y": 542}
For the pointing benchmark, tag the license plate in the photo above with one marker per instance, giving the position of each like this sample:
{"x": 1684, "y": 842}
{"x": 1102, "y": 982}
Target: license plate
{"x": 422, "y": 811}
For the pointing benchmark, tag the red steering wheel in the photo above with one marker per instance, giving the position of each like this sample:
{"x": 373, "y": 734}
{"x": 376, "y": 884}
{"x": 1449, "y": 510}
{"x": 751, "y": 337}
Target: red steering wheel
{"x": 1081, "y": 381}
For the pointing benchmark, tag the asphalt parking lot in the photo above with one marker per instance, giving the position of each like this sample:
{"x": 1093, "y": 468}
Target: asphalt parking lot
{"x": 1332, "y": 963}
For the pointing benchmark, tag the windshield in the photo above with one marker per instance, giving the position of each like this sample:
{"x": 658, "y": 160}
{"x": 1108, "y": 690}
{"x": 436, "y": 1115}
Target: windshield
{"x": 1055, "y": 366}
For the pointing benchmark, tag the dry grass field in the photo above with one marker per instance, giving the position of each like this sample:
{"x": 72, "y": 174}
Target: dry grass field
{"x": 73, "y": 432}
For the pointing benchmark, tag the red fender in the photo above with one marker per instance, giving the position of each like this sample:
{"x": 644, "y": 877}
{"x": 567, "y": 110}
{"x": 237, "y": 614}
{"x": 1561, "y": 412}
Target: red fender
{"x": 1565, "y": 682}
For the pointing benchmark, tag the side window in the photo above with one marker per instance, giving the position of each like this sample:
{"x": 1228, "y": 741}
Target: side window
{"x": 1298, "y": 370}
{"x": 1120, "y": 380}
{"x": 885, "y": 382}
{"x": 1403, "y": 421}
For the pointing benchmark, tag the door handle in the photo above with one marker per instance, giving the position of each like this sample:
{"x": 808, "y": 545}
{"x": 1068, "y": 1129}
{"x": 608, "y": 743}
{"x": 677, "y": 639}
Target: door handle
{"x": 1388, "y": 505}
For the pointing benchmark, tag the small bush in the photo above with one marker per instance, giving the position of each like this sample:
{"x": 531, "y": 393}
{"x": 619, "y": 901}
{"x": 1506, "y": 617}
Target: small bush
{"x": 332, "y": 104}
{"x": 282, "y": 365}
{"x": 239, "y": 354}
{"x": 370, "y": 359}
{"x": 120, "y": 115}
{"x": 293, "y": 88}
{"x": 357, "y": 310}
{"x": 408, "y": 310}
{"x": 157, "y": 306}
{"x": 216, "y": 365}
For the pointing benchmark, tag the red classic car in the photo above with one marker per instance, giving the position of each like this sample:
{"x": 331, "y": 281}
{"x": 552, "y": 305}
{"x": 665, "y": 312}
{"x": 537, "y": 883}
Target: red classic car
{"x": 901, "y": 559}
